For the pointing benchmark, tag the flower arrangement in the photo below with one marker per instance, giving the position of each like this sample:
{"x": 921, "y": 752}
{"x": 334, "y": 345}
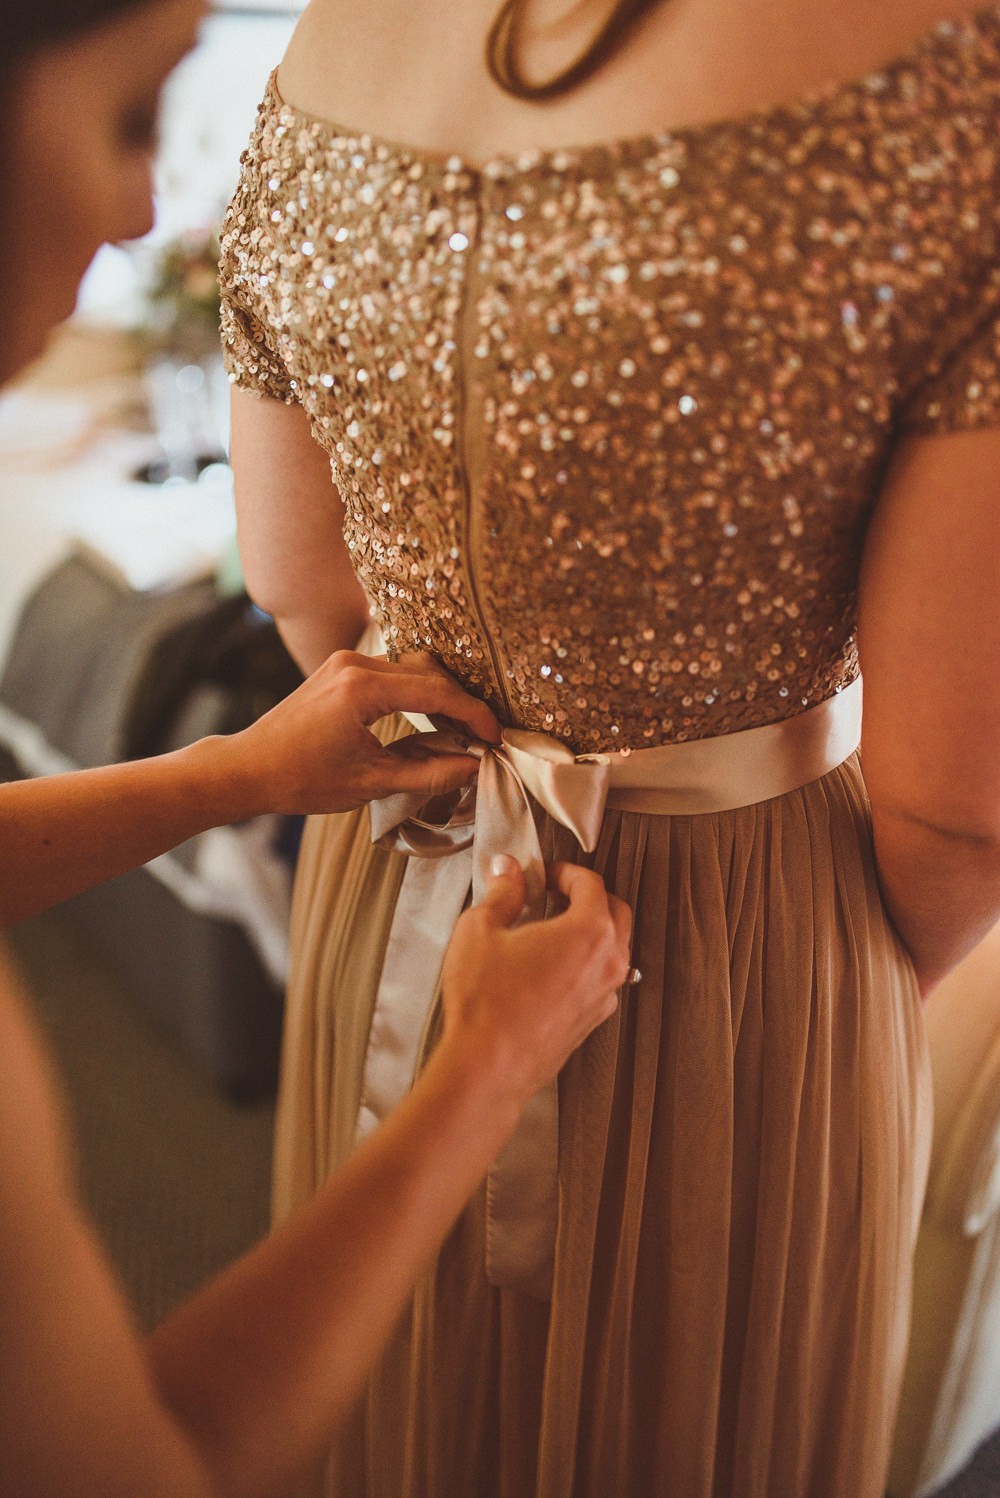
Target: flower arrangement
{"x": 183, "y": 293}
{"x": 178, "y": 346}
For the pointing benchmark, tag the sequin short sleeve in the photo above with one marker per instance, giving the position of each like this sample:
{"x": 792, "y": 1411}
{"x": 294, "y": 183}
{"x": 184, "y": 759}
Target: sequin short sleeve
{"x": 961, "y": 390}
{"x": 250, "y": 338}
{"x": 250, "y": 360}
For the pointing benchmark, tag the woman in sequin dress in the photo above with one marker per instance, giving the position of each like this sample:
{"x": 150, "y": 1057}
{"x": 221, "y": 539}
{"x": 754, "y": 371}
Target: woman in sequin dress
{"x": 646, "y": 439}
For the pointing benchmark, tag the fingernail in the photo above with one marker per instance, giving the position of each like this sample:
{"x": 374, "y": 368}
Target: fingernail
{"x": 502, "y": 864}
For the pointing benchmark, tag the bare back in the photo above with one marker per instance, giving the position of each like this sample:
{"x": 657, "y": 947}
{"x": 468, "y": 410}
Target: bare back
{"x": 414, "y": 70}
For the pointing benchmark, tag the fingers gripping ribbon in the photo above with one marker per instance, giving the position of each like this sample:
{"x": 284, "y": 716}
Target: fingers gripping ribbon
{"x": 495, "y": 816}
{"x": 452, "y": 840}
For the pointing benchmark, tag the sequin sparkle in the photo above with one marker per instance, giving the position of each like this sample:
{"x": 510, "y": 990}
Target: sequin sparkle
{"x": 608, "y": 422}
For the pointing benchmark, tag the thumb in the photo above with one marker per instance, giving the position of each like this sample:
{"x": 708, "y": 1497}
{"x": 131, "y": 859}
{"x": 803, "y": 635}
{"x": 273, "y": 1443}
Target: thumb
{"x": 505, "y": 894}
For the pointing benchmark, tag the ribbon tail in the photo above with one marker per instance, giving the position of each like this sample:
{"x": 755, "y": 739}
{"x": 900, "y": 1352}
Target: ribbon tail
{"x": 522, "y": 1185}
{"x": 431, "y": 899}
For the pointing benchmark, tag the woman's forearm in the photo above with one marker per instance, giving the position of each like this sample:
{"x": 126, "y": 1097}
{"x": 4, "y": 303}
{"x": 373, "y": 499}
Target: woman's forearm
{"x": 941, "y": 888}
{"x": 65, "y": 833}
{"x": 314, "y": 752}
{"x": 260, "y": 1368}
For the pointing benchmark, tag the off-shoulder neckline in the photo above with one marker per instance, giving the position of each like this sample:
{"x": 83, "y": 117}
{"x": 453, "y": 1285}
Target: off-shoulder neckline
{"x": 813, "y": 103}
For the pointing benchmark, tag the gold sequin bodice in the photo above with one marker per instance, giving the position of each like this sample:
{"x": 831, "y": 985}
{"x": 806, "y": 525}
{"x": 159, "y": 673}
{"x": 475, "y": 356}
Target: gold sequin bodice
{"x": 609, "y": 421}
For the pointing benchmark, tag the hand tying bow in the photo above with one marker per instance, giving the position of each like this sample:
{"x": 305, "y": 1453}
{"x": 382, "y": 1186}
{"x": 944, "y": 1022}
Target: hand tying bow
{"x": 495, "y": 815}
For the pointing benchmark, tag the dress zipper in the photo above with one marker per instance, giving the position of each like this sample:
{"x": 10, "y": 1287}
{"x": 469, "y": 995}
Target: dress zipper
{"x": 471, "y": 516}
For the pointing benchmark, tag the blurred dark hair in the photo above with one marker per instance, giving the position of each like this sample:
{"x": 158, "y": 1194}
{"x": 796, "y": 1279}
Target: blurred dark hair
{"x": 29, "y": 26}
{"x": 503, "y": 47}
{"x": 26, "y": 25}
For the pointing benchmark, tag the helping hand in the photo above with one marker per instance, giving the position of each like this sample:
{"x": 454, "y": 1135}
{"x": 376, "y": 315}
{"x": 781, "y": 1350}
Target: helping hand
{"x": 522, "y": 998}
{"x": 314, "y": 751}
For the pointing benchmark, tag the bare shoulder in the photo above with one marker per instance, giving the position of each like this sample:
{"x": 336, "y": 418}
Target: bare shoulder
{"x": 687, "y": 62}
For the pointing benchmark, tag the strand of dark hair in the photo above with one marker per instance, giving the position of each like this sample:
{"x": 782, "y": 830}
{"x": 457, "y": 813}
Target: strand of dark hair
{"x": 503, "y": 49}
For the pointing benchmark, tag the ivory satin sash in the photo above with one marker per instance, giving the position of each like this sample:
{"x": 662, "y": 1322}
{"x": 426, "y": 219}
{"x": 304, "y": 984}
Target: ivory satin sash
{"x": 452, "y": 842}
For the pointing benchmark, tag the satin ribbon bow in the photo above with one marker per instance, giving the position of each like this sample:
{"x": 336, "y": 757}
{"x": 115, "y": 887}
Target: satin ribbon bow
{"x": 708, "y": 775}
{"x": 495, "y": 815}
{"x": 453, "y": 839}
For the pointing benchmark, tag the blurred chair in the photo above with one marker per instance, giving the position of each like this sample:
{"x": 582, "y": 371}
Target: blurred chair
{"x": 951, "y": 1391}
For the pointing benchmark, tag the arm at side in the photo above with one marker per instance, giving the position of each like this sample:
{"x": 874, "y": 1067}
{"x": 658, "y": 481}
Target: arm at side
{"x": 290, "y": 522}
{"x": 930, "y": 653}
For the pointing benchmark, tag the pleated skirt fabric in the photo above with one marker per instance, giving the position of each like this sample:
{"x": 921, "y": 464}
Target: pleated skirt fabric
{"x": 742, "y": 1156}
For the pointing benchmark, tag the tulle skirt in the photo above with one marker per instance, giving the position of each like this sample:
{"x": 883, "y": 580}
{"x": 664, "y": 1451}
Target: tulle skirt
{"x": 742, "y": 1156}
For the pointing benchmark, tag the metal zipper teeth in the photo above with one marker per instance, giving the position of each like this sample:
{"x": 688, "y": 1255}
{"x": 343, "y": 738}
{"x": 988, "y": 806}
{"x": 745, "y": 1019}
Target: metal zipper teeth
{"x": 471, "y": 518}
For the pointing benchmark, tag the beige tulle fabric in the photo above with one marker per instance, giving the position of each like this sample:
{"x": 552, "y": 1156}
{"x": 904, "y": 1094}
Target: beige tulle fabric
{"x": 608, "y": 424}
{"x": 742, "y": 1152}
